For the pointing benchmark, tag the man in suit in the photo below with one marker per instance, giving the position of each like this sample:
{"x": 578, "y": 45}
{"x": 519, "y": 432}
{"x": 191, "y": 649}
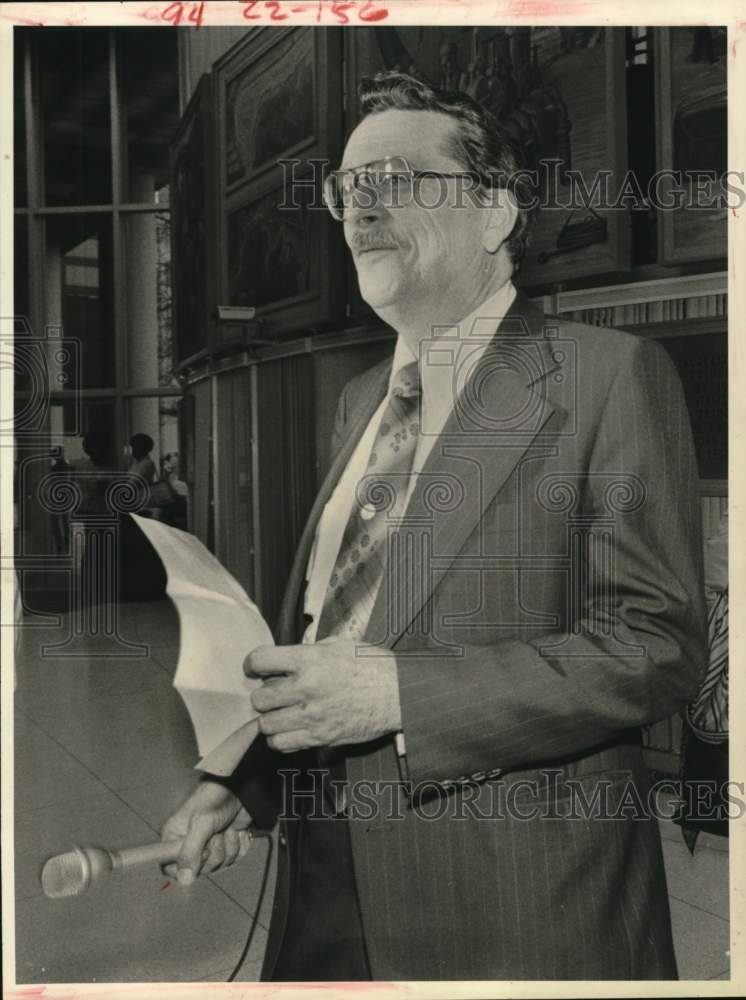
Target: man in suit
{"x": 499, "y": 584}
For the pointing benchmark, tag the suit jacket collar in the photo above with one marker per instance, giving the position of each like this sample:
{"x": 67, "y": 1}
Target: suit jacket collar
{"x": 504, "y": 404}
{"x": 509, "y": 390}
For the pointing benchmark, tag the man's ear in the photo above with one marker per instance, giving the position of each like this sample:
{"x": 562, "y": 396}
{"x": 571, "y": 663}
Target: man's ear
{"x": 501, "y": 212}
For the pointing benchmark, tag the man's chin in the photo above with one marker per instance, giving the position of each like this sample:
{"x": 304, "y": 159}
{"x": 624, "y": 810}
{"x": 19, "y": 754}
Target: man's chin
{"x": 378, "y": 296}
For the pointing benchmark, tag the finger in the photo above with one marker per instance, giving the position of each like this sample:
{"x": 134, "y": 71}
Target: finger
{"x": 172, "y": 870}
{"x": 232, "y": 847}
{"x": 291, "y": 742}
{"x": 189, "y": 861}
{"x": 244, "y": 842}
{"x": 242, "y": 820}
{"x": 284, "y": 720}
{"x": 215, "y": 852}
{"x": 274, "y": 694}
{"x": 266, "y": 660}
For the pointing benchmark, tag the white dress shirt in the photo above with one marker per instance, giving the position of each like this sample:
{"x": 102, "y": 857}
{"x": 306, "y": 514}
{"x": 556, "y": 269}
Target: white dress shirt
{"x": 440, "y": 371}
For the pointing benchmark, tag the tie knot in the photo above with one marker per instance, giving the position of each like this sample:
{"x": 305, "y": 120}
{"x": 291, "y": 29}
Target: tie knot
{"x": 406, "y": 382}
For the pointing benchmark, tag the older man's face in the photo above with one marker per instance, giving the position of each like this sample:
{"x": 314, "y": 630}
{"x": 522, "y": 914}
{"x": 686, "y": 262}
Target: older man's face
{"x": 411, "y": 250}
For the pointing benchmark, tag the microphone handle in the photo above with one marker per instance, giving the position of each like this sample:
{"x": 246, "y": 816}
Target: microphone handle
{"x": 162, "y": 853}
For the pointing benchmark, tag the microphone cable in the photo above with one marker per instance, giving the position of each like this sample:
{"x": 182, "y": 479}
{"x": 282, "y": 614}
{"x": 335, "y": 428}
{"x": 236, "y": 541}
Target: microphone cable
{"x": 263, "y": 889}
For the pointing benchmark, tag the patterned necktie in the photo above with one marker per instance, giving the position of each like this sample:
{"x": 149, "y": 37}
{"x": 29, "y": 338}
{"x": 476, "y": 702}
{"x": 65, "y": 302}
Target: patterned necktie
{"x": 381, "y": 494}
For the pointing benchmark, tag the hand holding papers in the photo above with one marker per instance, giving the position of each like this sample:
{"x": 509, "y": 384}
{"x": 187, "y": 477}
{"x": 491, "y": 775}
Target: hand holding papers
{"x": 220, "y": 626}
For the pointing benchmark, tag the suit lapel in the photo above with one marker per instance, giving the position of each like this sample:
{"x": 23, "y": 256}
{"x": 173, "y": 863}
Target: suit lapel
{"x": 502, "y": 408}
{"x": 373, "y": 395}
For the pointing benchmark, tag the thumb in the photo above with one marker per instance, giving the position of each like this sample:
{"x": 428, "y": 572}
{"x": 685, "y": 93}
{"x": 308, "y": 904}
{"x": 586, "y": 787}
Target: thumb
{"x": 189, "y": 861}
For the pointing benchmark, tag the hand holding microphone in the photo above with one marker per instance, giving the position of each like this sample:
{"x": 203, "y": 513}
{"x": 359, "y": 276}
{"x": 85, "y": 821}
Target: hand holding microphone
{"x": 213, "y": 828}
{"x": 209, "y": 832}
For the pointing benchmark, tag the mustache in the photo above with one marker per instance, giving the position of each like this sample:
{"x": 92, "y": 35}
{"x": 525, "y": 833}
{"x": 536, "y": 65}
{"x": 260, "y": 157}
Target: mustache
{"x": 372, "y": 241}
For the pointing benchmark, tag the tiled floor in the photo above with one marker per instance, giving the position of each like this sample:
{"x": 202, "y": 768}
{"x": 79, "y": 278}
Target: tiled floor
{"x": 104, "y": 753}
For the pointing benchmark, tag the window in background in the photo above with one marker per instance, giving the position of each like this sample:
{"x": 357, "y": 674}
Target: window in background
{"x": 74, "y": 115}
{"x": 78, "y": 294}
{"x": 92, "y": 209}
{"x": 150, "y": 113}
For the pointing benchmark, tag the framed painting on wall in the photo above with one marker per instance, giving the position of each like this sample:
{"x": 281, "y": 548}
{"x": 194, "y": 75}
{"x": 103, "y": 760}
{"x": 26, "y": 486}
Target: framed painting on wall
{"x": 692, "y": 104}
{"x": 572, "y": 119}
{"x": 270, "y": 97}
{"x": 273, "y": 252}
{"x": 280, "y": 99}
{"x": 193, "y": 229}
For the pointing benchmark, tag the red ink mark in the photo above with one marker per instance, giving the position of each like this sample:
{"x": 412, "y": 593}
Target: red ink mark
{"x": 195, "y": 14}
{"x": 166, "y": 884}
{"x": 273, "y": 6}
{"x": 173, "y": 13}
{"x": 339, "y": 11}
{"x": 17, "y": 19}
{"x": 247, "y": 9}
{"x": 734, "y": 212}
{"x": 276, "y": 10}
{"x": 369, "y": 13}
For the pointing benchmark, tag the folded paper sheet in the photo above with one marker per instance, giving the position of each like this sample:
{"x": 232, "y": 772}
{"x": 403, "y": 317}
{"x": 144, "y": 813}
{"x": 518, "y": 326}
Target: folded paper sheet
{"x": 219, "y": 626}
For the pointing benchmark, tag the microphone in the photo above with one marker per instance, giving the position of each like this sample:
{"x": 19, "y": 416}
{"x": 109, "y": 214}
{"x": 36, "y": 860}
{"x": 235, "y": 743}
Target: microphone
{"x": 73, "y": 873}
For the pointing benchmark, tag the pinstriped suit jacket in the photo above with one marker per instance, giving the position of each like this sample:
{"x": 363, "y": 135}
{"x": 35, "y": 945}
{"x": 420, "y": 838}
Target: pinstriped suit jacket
{"x": 556, "y": 608}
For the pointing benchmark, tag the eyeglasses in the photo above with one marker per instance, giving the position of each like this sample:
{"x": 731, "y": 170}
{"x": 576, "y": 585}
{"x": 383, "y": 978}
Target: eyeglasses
{"x": 389, "y": 182}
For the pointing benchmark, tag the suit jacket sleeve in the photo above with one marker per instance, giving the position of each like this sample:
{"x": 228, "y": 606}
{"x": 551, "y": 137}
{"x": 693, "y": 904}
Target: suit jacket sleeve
{"x": 520, "y": 703}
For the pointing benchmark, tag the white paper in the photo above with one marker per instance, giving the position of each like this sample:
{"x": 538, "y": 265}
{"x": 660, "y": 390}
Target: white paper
{"x": 220, "y": 626}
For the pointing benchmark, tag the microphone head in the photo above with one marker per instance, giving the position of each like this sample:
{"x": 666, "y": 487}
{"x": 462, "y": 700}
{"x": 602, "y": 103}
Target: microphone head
{"x": 72, "y": 873}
